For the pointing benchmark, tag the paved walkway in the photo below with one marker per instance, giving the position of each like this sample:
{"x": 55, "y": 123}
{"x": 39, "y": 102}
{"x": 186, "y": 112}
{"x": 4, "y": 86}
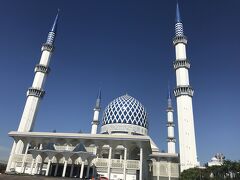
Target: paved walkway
{"x": 21, "y": 177}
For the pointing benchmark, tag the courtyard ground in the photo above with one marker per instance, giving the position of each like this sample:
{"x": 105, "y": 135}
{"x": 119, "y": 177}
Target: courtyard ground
{"x": 22, "y": 177}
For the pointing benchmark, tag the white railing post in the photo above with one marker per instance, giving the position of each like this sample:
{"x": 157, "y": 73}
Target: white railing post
{"x": 125, "y": 163}
{"x": 109, "y": 161}
{"x": 141, "y": 164}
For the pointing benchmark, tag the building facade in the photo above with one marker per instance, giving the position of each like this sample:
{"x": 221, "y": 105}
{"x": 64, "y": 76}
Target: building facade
{"x": 122, "y": 150}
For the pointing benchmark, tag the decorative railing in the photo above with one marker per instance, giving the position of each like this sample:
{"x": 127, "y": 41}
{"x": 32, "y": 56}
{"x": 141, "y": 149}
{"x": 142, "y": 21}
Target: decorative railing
{"x": 174, "y": 170}
{"x": 181, "y": 63}
{"x": 165, "y": 169}
{"x": 170, "y": 124}
{"x": 29, "y": 158}
{"x": 35, "y": 92}
{"x": 18, "y": 157}
{"x": 41, "y": 68}
{"x": 133, "y": 164}
{"x": 102, "y": 169}
{"x": 117, "y": 170}
{"x": 179, "y": 39}
{"x": 71, "y": 148}
{"x": 117, "y": 163}
{"x": 47, "y": 47}
{"x": 101, "y": 162}
{"x": 171, "y": 139}
{"x": 183, "y": 90}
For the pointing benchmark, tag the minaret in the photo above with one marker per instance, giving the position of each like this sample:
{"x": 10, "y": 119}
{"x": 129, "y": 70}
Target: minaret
{"x": 170, "y": 125}
{"x": 184, "y": 93}
{"x": 35, "y": 93}
{"x": 96, "y": 111}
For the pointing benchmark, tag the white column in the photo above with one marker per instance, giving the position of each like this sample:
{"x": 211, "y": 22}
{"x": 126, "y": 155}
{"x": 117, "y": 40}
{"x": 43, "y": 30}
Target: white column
{"x": 141, "y": 164}
{"x": 31, "y": 169}
{"x": 125, "y": 163}
{"x": 95, "y": 150}
{"x": 35, "y": 168}
{"x": 56, "y": 169}
{"x": 88, "y": 169}
{"x": 40, "y": 168}
{"x": 169, "y": 170}
{"x": 48, "y": 167}
{"x": 109, "y": 161}
{"x": 81, "y": 171}
{"x": 72, "y": 168}
{"x": 35, "y": 171}
{"x": 24, "y": 159}
{"x": 11, "y": 157}
{"x": 64, "y": 168}
{"x": 94, "y": 171}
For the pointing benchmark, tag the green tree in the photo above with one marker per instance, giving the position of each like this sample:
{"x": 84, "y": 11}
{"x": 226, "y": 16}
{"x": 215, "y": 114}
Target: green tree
{"x": 192, "y": 174}
{"x": 229, "y": 170}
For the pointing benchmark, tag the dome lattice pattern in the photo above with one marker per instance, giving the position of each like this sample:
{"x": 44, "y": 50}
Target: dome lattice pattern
{"x": 125, "y": 109}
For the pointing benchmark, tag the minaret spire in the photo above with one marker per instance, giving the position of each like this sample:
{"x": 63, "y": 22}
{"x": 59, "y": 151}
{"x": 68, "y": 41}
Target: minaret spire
{"x": 184, "y": 93}
{"x": 98, "y": 101}
{"x": 178, "y": 24}
{"x": 54, "y": 26}
{"x": 169, "y": 97}
{"x": 53, "y": 31}
{"x": 170, "y": 125}
{"x": 96, "y": 111}
{"x": 178, "y": 16}
{"x": 35, "y": 93}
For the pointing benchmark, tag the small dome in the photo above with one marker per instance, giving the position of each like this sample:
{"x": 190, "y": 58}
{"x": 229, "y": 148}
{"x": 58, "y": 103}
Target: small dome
{"x": 125, "y": 110}
{"x": 214, "y": 159}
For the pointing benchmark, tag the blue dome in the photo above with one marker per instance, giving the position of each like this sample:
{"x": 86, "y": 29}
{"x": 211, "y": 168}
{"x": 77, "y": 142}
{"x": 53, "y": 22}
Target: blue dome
{"x": 125, "y": 110}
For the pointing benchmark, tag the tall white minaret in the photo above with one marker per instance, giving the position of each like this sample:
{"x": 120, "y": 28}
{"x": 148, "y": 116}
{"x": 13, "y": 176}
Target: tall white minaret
{"x": 171, "y": 141}
{"x": 96, "y": 111}
{"x": 184, "y": 93}
{"x": 35, "y": 93}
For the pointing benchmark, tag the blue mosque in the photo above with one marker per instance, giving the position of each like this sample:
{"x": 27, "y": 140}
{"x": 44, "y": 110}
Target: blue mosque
{"x": 118, "y": 146}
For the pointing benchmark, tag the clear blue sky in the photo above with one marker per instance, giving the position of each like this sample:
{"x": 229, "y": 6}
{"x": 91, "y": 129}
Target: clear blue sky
{"x": 123, "y": 46}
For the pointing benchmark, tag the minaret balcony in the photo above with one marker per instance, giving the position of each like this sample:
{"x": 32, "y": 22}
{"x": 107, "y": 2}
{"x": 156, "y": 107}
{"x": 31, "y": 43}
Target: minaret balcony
{"x": 169, "y": 109}
{"x": 170, "y": 124}
{"x": 181, "y": 64}
{"x": 171, "y": 139}
{"x": 35, "y": 92}
{"x": 183, "y": 90}
{"x": 179, "y": 39}
{"x": 94, "y": 122}
{"x": 47, "y": 47}
{"x": 97, "y": 109}
{"x": 41, "y": 68}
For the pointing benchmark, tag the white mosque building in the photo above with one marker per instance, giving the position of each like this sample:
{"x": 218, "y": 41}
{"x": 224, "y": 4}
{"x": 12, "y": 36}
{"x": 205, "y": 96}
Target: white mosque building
{"x": 122, "y": 149}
